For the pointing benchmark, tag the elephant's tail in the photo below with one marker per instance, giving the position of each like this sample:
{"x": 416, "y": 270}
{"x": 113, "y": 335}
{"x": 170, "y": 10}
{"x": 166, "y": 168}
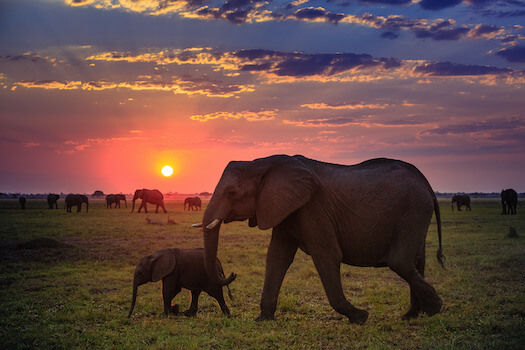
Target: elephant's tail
{"x": 440, "y": 257}
{"x": 227, "y": 286}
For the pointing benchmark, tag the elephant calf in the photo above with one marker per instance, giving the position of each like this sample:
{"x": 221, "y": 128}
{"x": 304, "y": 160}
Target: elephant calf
{"x": 180, "y": 268}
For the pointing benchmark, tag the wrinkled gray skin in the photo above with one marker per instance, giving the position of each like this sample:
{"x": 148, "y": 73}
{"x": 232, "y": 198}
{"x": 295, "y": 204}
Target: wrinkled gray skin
{"x": 115, "y": 199}
{"x": 149, "y": 196}
{"x": 52, "y": 200}
{"x": 461, "y": 200}
{"x": 375, "y": 213}
{"x": 180, "y": 268}
{"x": 22, "y": 201}
{"x": 194, "y": 203}
{"x": 73, "y": 200}
{"x": 509, "y": 200}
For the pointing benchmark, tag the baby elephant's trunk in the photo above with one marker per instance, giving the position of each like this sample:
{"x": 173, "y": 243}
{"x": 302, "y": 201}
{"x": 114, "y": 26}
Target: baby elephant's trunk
{"x": 133, "y": 299}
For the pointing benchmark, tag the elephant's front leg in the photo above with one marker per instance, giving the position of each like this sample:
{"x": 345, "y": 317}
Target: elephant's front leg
{"x": 328, "y": 266}
{"x": 281, "y": 253}
{"x": 170, "y": 289}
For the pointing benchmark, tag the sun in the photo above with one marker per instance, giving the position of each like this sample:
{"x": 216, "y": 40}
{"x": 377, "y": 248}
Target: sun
{"x": 167, "y": 170}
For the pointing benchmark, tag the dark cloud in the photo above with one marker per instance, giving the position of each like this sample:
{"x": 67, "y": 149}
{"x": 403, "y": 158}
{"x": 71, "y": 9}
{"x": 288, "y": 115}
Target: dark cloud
{"x": 389, "y": 35}
{"x": 311, "y": 13}
{"x": 386, "y": 2}
{"x": 301, "y": 65}
{"x": 453, "y": 69}
{"x": 28, "y": 57}
{"x": 483, "y": 126}
{"x": 435, "y": 5}
{"x": 484, "y": 29}
{"x": 441, "y": 34}
{"x": 513, "y": 54}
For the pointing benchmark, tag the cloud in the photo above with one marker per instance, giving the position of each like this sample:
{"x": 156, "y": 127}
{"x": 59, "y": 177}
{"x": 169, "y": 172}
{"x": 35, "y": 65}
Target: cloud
{"x": 351, "y": 106}
{"x": 318, "y": 14}
{"x": 185, "y": 85}
{"x": 389, "y": 35}
{"x": 245, "y": 115}
{"x": 488, "y": 126}
{"x": 454, "y": 69}
{"x": 435, "y": 5}
{"x": 513, "y": 54}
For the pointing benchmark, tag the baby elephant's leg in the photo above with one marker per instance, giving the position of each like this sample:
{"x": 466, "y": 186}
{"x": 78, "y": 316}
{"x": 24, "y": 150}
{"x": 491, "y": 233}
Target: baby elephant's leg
{"x": 194, "y": 306}
{"x": 219, "y": 296}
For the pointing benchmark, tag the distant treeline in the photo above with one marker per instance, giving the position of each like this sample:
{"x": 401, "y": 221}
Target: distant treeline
{"x": 474, "y": 194}
{"x": 97, "y": 194}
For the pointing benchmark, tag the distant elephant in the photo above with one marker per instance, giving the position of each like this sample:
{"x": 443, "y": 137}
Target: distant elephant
{"x": 193, "y": 202}
{"x": 22, "y": 201}
{"x": 180, "y": 268}
{"x": 460, "y": 200}
{"x": 52, "y": 200}
{"x": 149, "y": 196}
{"x": 115, "y": 199}
{"x": 76, "y": 200}
{"x": 509, "y": 199}
{"x": 375, "y": 213}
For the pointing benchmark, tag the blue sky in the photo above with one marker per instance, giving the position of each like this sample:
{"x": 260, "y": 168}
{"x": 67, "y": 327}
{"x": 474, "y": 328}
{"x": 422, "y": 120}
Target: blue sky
{"x": 105, "y": 92}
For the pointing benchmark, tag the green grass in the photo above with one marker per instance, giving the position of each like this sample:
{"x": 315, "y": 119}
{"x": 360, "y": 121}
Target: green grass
{"x": 76, "y": 294}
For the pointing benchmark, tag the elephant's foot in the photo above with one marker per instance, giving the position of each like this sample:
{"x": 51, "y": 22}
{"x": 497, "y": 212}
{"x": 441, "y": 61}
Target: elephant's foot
{"x": 413, "y": 312}
{"x": 174, "y": 309}
{"x": 432, "y": 307}
{"x": 190, "y": 313}
{"x": 358, "y": 316}
{"x": 264, "y": 316}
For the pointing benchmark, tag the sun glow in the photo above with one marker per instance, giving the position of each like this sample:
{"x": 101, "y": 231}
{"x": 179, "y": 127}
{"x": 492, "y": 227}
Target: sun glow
{"x": 167, "y": 170}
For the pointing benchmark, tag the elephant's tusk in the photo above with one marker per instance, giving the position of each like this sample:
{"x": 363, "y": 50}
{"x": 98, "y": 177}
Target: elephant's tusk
{"x": 213, "y": 224}
{"x": 197, "y": 225}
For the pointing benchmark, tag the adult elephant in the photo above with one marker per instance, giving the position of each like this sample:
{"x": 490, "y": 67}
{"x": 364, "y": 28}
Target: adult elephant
{"x": 193, "y": 202}
{"x": 461, "y": 200}
{"x": 115, "y": 199}
{"x": 509, "y": 200}
{"x": 149, "y": 196}
{"x": 375, "y": 213}
{"x": 22, "y": 202}
{"x": 52, "y": 200}
{"x": 73, "y": 200}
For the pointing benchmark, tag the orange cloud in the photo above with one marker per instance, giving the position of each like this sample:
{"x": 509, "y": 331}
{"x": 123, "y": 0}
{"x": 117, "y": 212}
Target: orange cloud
{"x": 246, "y": 115}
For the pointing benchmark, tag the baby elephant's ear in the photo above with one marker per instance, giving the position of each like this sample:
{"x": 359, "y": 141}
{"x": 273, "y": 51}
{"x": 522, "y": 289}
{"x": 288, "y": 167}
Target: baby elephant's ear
{"x": 162, "y": 265}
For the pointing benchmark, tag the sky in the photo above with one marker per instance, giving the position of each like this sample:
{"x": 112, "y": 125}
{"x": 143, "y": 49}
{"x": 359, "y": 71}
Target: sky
{"x": 100, "y": 94}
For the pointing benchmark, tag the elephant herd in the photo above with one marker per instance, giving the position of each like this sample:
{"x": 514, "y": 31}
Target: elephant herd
{"x": 509, "y": 201}
{"x": 372, "y": 214}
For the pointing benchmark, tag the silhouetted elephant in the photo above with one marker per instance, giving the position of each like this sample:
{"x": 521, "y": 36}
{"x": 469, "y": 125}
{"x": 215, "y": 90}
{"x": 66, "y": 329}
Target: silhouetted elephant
{"x": 115, "y": 199}
{"x": 193, "y": 202}
{"x": 76, "y": 200}
{"x": 149, "y": 196}
{"x": 52, "y": 200}
{"x": 509, "y": 198}
{"x": 460, "y": 200}
{"x": 22, "y": 201}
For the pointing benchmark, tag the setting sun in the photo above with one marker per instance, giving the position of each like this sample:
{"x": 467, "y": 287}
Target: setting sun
{"x": 167, "y": 170}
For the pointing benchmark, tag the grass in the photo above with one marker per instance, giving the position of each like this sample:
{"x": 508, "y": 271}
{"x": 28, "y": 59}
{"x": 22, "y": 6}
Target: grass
{"x": 65, "y": 282}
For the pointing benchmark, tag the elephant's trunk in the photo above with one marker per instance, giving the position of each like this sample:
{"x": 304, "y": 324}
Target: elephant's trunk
{"x": 133, "y": 207}
{"x": 211, "y": 226}
{"x": 134, "y": 298}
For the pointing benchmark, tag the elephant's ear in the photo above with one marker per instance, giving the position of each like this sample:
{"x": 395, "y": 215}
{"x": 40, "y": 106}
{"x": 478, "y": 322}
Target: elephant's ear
{"x": 285, "y": 187}
{"x": 162, "y": 265}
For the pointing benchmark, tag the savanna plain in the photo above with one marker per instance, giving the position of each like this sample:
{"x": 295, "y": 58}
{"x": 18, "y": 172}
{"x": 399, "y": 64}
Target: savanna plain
{"x": 66, "y": 282}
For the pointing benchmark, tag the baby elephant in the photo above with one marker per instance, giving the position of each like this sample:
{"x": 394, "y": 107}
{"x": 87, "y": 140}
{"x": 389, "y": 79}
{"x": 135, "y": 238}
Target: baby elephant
{"x": 179, "y": 268}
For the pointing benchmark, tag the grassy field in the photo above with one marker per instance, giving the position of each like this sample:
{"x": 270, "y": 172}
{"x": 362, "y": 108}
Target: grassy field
{"x": 66, "y": 278}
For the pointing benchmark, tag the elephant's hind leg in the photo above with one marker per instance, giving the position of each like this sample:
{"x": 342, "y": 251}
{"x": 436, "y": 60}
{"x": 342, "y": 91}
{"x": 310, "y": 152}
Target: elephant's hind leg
{"x": 415, "y": 303}
{"x": 194, "y": 306}
{"x": 423, "y": 295}
{"x": 219, "y": 296}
